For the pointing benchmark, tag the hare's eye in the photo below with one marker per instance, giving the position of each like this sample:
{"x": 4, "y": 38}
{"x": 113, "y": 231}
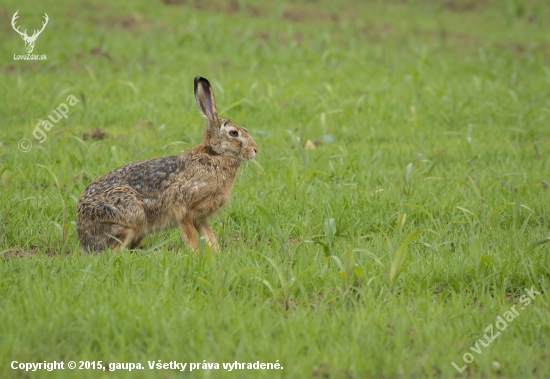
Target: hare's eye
{"x": 234, "y": 133}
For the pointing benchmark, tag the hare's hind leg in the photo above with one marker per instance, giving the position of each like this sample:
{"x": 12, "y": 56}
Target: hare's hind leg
{"x": 129, "y": 237}
{"x": 106, "y": 235}
{"x": 205, "y": 231}
{"x": 113, "y": 221}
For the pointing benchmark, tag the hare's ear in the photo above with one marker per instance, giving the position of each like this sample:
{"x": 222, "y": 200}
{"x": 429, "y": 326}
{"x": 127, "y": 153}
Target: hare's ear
{"x": 204, "y": 94}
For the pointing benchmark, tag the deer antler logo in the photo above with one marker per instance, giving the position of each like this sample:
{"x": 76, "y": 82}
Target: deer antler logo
{"x": 29, "y": 41}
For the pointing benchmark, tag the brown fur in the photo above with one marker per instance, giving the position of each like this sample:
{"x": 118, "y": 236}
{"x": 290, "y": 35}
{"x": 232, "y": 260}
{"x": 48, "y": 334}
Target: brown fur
{"x": 143, "y": 197}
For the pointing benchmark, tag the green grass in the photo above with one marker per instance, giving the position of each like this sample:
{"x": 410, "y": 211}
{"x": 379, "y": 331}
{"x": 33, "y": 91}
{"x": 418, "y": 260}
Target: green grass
{"x": 429, "y": 117}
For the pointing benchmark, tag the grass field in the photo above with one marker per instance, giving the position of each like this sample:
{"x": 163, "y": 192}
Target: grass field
{"x": 399, "y": 202}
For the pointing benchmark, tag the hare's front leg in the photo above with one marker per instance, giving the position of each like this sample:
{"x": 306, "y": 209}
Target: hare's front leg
{"x": 188, "y": 232}
{"x": 205, "y": 231}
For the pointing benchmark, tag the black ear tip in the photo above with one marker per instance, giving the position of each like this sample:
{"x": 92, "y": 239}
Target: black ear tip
{"x": 203, "y": 81}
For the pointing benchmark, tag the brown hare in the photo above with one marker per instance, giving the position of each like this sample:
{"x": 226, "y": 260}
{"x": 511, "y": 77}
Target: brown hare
{"x": 143, "y": 197}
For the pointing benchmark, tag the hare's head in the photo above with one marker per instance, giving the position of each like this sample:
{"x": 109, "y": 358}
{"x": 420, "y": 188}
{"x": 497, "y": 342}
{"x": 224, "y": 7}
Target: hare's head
{"x": 221, "y": 135}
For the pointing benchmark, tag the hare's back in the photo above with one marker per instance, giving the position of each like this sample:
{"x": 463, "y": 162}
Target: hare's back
{"x": 147, "y": 177}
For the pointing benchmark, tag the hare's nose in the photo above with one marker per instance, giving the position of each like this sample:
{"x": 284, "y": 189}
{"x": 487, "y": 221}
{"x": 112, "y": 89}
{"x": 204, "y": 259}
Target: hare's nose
{"x": 255, "y": 151}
